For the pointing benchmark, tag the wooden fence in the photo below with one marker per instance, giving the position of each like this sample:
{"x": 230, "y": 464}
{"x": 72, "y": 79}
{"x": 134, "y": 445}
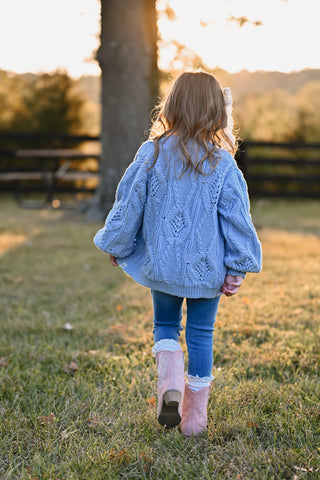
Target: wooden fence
{"x": 281, "y": 169}
{"x": 52, "y": 165}
{"x": 47, "y": 166}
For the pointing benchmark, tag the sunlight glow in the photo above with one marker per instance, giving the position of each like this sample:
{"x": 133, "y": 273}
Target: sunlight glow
{"x": 287, "y": 40}
{"x": 42, "y": 35}
{"x": 9, "y": 241}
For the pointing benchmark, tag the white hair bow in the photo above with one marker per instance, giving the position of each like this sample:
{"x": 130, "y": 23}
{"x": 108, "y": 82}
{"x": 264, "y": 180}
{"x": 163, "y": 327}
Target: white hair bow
{"x": 227, "y": 96}
{"x": 228, "y": 101}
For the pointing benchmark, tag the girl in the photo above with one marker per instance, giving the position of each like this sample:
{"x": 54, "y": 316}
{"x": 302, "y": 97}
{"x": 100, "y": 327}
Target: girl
{"x": 181, "y": 226}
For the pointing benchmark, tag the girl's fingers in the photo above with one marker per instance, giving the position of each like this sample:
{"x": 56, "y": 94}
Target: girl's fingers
{"x": 231, "y": 285}
{"x": 113, "y": 261}
{"x": 229, "y": 291}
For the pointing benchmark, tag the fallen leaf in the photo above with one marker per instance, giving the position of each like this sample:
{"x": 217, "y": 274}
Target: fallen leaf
{"x": 71, "y": 368}
{"x": 146, "y": 457}
{"x": 120, "y": 455}
{"x": 246, "y": 300}
{"x": 152, "y": 401}
{"x": 253, "y": 425}
{"x": 147, "y": 461}
{"x": 48, "y": 420}
{"x": 93, "y": 421}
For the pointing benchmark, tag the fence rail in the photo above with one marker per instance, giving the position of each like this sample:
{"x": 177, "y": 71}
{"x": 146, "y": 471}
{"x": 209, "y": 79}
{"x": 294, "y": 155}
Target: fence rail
{"x": 56, "y": 164}
{"x": 274, "y": 169}
{"x": 48, "y": 164}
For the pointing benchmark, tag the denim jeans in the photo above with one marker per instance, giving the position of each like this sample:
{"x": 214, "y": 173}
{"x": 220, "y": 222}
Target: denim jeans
{"x": 201, "y": 315}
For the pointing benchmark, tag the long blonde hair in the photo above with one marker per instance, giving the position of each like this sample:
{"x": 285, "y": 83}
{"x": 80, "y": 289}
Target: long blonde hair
{"x": 193, "y": 110}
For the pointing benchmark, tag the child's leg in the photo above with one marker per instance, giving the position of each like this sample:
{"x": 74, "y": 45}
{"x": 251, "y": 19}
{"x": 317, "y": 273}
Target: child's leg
{"x": 167, "y": 316}
{"x": 199, "y": 336}
{"x": 169, "y": 357}
{"x": 201, "y": 315}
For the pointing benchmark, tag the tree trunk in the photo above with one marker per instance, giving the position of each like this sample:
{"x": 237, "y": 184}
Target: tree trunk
{"x": 127, "y": 57}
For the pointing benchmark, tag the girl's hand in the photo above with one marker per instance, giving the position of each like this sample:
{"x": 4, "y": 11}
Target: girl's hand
{"x": 231, "y": 285}
{"x": 113, "y": 260}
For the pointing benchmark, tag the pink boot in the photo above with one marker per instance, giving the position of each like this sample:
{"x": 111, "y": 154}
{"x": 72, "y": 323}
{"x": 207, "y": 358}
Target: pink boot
{"x": 170, "y": 387}
{"x": 194, "y": 411}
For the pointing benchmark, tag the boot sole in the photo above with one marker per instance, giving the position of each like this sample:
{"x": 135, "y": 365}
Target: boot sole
{"x": 169, "y": 416}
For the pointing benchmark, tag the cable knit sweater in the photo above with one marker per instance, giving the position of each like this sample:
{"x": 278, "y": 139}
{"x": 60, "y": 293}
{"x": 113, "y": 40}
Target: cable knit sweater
{"x": 181, "y": 235}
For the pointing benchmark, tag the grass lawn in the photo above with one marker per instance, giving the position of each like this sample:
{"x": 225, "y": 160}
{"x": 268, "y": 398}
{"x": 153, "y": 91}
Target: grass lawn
{"x": 78, "y": 381}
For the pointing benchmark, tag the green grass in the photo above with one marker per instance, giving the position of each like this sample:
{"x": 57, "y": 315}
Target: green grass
{"x": 264, "y": 408}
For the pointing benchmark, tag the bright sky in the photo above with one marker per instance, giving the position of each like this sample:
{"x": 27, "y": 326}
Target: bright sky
{"x": 288, "y": 39}
{"x": 42, "y": 35}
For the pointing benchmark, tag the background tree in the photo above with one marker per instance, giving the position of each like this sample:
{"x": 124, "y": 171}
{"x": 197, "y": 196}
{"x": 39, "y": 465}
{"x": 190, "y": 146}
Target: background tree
{"x": 307, "y": 118}
{"x": 55, "y": 106}
{"x": 40, "y": 103}
{"x": 128, "y": 60}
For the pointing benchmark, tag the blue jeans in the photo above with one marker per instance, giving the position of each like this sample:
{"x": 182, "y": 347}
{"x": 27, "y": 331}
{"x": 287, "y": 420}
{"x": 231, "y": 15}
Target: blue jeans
{"x": 201, "y": 315}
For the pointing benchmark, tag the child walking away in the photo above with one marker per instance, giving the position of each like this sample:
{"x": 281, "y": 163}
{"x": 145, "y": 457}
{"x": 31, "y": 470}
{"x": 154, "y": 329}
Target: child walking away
{"x": 181, "y": 226}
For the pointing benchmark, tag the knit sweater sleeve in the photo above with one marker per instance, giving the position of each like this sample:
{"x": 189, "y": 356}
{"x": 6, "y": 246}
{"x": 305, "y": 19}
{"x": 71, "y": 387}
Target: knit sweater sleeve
{"x": 124, "y": 220}
{"x": 242, "y": 247}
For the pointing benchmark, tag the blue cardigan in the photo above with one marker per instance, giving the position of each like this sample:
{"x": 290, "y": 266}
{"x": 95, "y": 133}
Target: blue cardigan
{"x": 181, "y": 234}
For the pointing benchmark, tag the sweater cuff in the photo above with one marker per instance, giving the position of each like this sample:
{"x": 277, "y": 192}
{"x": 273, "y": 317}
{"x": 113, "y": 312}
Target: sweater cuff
{"x": 235, "y": 273}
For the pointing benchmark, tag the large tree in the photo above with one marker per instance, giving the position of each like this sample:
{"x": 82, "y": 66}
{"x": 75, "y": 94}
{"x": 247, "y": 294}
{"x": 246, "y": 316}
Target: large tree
{"x": 128, "y": 61}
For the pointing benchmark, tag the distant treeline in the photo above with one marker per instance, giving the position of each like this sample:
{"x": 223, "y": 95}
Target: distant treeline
{"x": 275, "y": 106}
{"x": 270, "y": 106}
{"x": 49, "y": 103}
